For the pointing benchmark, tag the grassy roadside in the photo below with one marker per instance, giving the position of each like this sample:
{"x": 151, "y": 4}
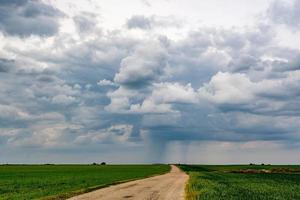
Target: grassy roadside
{"x": 237, "y": 182}
{"x": 63, "y": 181}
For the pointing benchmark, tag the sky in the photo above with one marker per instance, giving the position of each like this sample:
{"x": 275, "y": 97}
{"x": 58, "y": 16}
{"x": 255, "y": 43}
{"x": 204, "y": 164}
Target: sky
{"x": 148, "y": 81}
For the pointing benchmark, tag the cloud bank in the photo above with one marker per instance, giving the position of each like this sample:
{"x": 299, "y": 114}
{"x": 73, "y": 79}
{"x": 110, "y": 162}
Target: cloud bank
{"x": 155, "y": 89}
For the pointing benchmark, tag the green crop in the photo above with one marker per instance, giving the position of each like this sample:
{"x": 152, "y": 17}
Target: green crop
{"x": 62, "y": 181}
{"x": 242, "y": 182}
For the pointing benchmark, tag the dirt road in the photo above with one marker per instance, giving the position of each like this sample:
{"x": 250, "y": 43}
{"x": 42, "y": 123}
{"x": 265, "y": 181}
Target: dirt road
{"x": 169, "y": 186}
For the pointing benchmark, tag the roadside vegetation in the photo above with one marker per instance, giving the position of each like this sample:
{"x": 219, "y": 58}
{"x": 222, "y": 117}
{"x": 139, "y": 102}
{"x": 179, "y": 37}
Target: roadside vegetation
{"x": 237, "y": 182}
{"x": 63, "y": 181}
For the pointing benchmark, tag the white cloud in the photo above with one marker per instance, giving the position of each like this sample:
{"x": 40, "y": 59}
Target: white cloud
{"x": 105, "y": 82}
{"x": 162, "y": 97}
{"x": 12, "y": 113}
{"x": 119, "y": 133}
{"x": 149, "y": 106}
{"x": 145, "y": 65}
{"x": 173, "y": 93}
{"x": 63, "y": 99}
{"x": 45, "y": 136}
{"x": 226, "y": 88}
{"x": 120, "y": 99}
{"x": 118, "y": 105}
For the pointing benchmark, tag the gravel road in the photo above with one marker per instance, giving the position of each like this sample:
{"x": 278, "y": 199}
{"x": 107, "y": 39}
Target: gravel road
{"x": 169, "y": 186}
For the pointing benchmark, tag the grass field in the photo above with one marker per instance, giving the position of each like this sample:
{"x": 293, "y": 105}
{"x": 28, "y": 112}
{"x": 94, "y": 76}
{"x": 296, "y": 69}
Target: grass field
{"x": 61, "y": 181}
{"x": 208, "y": 182}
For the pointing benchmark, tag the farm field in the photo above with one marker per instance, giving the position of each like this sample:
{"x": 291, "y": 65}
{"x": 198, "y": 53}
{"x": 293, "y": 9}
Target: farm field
{"x": 212, "y": 182}
{"x": 62, "y": 181}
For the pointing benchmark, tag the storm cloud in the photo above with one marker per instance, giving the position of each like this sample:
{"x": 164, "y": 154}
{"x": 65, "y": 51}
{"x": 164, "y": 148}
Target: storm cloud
{"x": 79, "y": 84}
{"x": 28, "y": 17}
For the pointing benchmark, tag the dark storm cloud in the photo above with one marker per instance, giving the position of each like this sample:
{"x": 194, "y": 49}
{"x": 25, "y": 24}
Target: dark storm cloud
{"x": 13, "y": 2}
{"x": 151, "y": 92}
{"x": 6, "y": 65}
{"x": 69, "y": 95}
{"x": 28, "y": 17}
{"x": 113, "y": 90}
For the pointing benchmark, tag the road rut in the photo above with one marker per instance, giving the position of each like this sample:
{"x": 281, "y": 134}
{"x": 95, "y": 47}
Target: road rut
{"x": 169, "y": 186}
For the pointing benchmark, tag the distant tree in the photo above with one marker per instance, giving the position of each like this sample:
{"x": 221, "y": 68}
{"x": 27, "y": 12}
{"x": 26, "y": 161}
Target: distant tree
{"x": 262, "y": 164}
{"x": 94, "y": 163}
{"x": 103, "y": 163}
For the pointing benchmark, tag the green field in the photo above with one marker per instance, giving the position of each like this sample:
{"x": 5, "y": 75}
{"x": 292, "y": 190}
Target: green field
{"x": 255, "y": 182}
{"x": 61, "y": 181}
